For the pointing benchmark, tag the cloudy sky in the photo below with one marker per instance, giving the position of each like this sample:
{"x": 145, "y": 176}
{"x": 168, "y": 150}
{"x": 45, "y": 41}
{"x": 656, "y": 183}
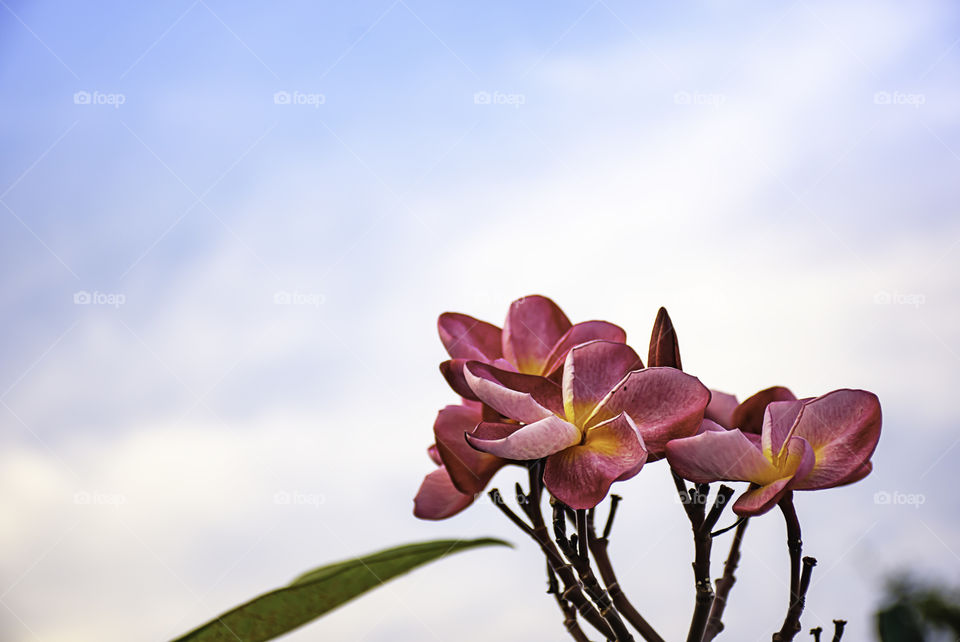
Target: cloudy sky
{"x": 226, "y": 231}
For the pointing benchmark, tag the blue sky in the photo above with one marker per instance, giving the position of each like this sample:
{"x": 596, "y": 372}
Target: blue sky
{"x": 771, "y": 174}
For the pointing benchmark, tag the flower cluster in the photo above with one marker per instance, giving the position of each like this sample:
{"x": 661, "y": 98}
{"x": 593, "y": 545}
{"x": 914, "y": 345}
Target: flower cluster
{"x": 578, "y": 398}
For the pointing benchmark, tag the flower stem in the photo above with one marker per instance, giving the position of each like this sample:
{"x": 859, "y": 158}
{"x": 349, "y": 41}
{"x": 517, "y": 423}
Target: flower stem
{"x": 598, "y": 548}
{"x": 838, "y": 629}
{"x": 702, "y": 527}
{"x": 725, "y": 584}
{"x": 572, "y": 590}
{"x": 569, "y": 610}
{"x": 575, "y": 548}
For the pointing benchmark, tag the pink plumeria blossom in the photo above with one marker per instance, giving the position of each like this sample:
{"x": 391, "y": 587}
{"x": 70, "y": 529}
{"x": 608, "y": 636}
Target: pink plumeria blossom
{"x": 535, "y": 339}
{"x": 595, "y": 428}
{"x": 724, "y": 409}
{"x": 805, "y": 444}
{"x": 462, "y": 472}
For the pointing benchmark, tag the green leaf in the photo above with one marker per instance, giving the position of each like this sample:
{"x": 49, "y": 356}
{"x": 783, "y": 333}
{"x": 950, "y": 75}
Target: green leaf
{"x": 321, "y": 590}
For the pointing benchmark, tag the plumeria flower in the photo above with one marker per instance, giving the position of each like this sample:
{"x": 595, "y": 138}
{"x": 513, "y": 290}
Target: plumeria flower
{"x": 535, "y": 340}
{"x": 725, "y": 410}
{"x": 462, "y": 472}
{"x": 597, "y": 427}
{"x": 805, "y": 444}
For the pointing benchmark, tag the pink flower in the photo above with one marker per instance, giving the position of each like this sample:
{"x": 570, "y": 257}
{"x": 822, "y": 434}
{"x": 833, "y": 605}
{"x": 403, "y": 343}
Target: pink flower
{"x": 747, "y": 416}
{"x": 595, "y": 428}
{"x": 535, "y": 339}
{"x": 804, "y": 444}
{"x": 463, "y": 471}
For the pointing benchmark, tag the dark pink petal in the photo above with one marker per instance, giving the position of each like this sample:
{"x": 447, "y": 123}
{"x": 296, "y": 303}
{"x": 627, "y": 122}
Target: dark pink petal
{"x": 438, "y": 498}
{"x": 664, "y": 403}
{"x": 726, "y": 455}
{"x": 532, "y": 441}
{"x": 522, "y": 397}
{"x": 721, "y": 407}
{"x": 452, "y": 371}
{"x": 469, "y": 469}
{"x": 467, "y": 338}
{"x": 582, "y": 333}
{"x": 778, "y": 421}
{"x": 855, "y": 476}
{"x": 748, "y": 416}
{"x": 581, "y": 475}
{"x": 843, "y": 427}
{"x": 757, "y": 501}
{"x": 797, "y": 459}
{"x": 709, "y": 426}
{"x": 590, "y": 373}
{"x": 533, "y": 327}
{"x": 664, "y": 348}
{"x": 488, "y": 430}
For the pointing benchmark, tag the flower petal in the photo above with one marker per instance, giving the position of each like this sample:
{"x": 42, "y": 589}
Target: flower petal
{"x": 709, "y": 426}
{"x": 778, "y": 421}
{"x": 664, "y": 349}
{"x": 590, "y": 373}
{"x": 748, "y": 416}
{"x": 843, "y": 428}
{"x": 757, "y": 501}
{"x": 583, "y": 333}
{"x": 721, "y": 407}
{"x": 526, "y": 398}
{"x": 533, "y": 327}
{"x": 533, "y": 441}
{"x": 467, "y": 338}
{"x": 727, "y": 455}
{"x": 664, "y": 403}
{"x": 469, "y": 469}
{"x": 855, "y": 476}
{"x": 438, "y": 498}
{"x": 452, "y": 371}
{"x": 581, "y": 475}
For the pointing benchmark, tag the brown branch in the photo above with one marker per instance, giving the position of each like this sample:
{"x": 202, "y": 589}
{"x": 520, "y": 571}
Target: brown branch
{"x": 568, "y": 609}
{"x": 576, "y": 551}
{"x": 799, "y": 579}
{"x": 572, "y": 590}
{"x": 598, "y": 548}
{"x": 838, "y": 629}
{"x": 725, "y": 584}
{"x": 702, "y": 527}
